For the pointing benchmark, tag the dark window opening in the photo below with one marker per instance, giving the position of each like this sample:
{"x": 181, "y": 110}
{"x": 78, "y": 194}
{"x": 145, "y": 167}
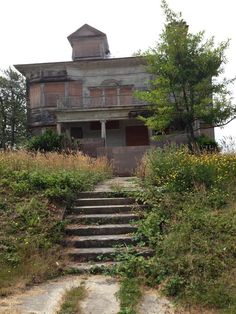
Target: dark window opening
{"x": 110, "y": 125}
{"x": 76, "y": 132}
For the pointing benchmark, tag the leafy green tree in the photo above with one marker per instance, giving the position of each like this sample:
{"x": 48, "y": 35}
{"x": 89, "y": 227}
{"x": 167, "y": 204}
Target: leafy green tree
{"x": 12, "y": 108}
{"x": 185, "y": 87}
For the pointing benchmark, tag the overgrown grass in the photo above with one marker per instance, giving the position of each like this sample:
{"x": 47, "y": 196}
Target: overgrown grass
{"x": 191, "y": 226}
{"x": 58, "y": 176}
{"x": 71, "y": 304}
{"x": 34, "y": 189}
{"x": 129, "y": 295}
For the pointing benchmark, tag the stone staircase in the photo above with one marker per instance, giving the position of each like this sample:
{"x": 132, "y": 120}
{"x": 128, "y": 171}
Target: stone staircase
{"x": 100, "y": 225}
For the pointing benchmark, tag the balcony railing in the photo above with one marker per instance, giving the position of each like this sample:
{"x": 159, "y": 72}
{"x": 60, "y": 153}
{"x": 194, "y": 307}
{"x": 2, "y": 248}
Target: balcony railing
{"x": 76, "y": 102}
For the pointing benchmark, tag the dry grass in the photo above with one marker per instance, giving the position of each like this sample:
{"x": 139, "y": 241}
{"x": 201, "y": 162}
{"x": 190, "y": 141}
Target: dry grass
{"x": 23, "y": 160}
{"x": 35, "y": 269}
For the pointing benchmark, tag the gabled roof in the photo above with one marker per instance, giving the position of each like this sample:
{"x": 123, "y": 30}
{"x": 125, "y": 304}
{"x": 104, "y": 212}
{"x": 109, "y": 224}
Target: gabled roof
{"x": 86, "y": 31}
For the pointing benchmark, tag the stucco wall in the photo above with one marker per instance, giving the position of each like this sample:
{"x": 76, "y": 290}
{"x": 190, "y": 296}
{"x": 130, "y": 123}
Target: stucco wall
{"x": 124, "y": 159}
{"x": 87, "y": 75}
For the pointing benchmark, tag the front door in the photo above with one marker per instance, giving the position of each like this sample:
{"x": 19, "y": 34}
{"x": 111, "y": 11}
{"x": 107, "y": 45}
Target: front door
{"x": 136, "y": 135}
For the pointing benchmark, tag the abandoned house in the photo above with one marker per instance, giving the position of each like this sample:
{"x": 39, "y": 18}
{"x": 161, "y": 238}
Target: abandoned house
{"x": 91, "y": 99}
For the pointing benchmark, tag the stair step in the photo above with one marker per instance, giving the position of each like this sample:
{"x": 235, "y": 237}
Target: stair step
{"x": 88, "y": 254}
{"x": 99, "y": 241}
{"x": 90, "y": 266}
{"x": 100, "y": 254}
{"x": 103, "y": 218}
{"x": 94, "y": 194}
{"x": 104, "y": 201}
{"x": 100, "y": 230}
{"x": 101, "y": 209}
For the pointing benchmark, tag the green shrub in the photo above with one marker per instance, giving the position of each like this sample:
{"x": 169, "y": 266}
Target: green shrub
{"x": 207, "y": 144}
{"x": 49, "y": 141}
{"x": 179, "y": 171}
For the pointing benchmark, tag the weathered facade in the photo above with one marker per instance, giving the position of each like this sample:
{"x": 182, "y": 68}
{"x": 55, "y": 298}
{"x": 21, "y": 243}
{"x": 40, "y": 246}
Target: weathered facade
{"x": 91, "y": 97}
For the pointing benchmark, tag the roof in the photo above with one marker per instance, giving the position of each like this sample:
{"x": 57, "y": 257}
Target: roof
{"x": 86, "y": 31}
{"x": 23, "y": 68}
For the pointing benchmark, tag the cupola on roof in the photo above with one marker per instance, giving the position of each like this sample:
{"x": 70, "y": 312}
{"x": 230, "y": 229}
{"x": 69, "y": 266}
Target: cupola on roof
{"x": 88, "y": 43}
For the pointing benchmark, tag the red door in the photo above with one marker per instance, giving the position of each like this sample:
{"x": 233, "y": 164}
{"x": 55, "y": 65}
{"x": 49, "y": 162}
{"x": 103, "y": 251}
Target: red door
{"x": 137, "y": 135}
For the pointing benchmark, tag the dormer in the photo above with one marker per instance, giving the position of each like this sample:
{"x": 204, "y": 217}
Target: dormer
{"x": 88, "y": 43}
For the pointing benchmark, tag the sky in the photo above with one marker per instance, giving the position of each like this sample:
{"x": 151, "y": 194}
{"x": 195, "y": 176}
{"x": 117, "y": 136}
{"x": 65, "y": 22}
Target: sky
{"x": 36, "y": 31}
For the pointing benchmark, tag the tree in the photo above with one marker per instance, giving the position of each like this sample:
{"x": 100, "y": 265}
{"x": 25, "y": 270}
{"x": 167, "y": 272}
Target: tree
{"x": 185, "y": 87}
{"x": 12, "y": 107}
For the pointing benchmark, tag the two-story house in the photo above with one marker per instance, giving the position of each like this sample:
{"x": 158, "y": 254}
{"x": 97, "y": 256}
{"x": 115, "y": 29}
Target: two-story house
{"x": 91, "y": 98}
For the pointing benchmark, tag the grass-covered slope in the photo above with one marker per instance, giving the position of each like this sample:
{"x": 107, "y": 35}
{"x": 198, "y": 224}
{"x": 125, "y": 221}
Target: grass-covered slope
{"x": 33, "y": 188}
{"x": 191, "y": 225}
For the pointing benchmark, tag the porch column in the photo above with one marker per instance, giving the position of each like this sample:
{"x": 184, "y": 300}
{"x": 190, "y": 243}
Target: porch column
{"x": 103, "y": 131}
{"x": 59, "y": 128}
{"x": 150, "y": 135}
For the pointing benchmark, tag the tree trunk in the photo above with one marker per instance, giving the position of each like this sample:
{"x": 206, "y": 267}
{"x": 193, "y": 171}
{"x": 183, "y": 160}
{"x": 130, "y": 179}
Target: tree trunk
{"x": 12, "y": 133}
{"x": 191, "y": 139}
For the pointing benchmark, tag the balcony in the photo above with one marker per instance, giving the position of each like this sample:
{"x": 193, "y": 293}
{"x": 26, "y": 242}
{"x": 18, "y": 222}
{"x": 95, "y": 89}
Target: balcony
{"x": 77, "y": 102}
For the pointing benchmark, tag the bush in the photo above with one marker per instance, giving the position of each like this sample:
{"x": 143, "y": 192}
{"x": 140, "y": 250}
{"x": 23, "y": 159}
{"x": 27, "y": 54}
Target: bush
{"x": 206, "y": 144}
{"x": 178, "y": 170}
{"x": 49, "y": 141}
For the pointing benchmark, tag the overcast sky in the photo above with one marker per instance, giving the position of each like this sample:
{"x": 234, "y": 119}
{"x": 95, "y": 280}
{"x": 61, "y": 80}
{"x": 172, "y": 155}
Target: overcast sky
{"x": 36, "y": 31}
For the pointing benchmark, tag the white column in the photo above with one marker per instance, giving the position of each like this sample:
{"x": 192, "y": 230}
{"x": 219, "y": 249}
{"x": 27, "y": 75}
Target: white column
{"x": 59, "y": 128}
{"x": 103, "y": 131}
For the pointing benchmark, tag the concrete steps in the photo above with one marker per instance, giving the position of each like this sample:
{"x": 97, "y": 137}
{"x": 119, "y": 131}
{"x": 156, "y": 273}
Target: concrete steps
{"x": 100, "y": 229}
{"x": 100, "y": 254}
{"x": 90, "y": 266}
{"x": 101, "y": 209}
{"x": 100, "y": 219}
{"x": 101, "y": 226}
{"x": 98, "y": 201}
{"x": 98, "y": 241}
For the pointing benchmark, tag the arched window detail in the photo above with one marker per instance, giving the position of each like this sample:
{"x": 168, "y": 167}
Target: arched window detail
{"x": 110, "y": 83}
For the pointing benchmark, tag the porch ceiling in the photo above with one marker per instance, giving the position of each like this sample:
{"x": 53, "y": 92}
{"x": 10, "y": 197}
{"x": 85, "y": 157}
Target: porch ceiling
{"x": 93, "y": 114}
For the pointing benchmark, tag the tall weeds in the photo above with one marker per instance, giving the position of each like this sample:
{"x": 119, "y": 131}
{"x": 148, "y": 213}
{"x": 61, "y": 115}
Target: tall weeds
{"x": 191, "y": 225}
{"x": 33, "y": 191}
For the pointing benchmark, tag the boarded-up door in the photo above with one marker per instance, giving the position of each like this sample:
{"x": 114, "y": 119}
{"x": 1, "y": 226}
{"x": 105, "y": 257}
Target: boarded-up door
{"x": 136, "y": 135}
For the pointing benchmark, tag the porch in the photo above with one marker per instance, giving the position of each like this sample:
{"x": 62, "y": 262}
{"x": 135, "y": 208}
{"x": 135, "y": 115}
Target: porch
{"x": 107, "y": 133}
{"x": 122, "y": 141}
